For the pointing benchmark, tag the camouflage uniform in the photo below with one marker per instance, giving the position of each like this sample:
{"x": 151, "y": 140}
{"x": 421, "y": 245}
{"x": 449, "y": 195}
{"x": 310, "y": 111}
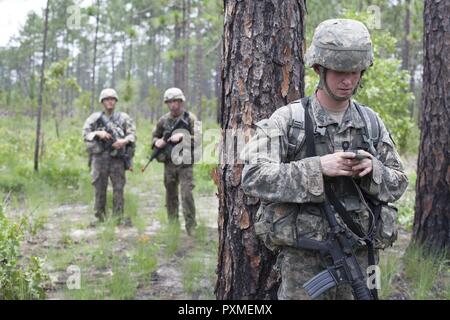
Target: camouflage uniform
{"x": 291, "y": 185}
{"x": 175, "y": 174}
{"x": 104, "y": 165}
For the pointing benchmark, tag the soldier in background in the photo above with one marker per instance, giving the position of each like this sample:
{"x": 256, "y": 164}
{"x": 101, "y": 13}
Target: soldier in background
{"x": 176, "y": 174}
{"x": 349, "y": 152}
{"x": 110, "y": 137}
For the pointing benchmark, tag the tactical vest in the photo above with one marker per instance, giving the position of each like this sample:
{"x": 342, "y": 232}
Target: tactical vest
{"x": 367, "y": 137}
{"x": 280, "y": 224}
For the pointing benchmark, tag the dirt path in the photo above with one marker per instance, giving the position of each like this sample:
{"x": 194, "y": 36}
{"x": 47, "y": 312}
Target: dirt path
{"x": 68, "y": 238}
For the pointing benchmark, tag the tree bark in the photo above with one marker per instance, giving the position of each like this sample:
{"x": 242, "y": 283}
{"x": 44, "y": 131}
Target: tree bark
{"x": 198, "y": 66}
{"x": 406, "y": 25}
{"x": 41, "y": 92}
{"x": 262, "y": 70}
{"x": 186, "y": 35}
{"x": 113, "y": 66}
{"x": 178, "y": 61}
{"x": 94, "y": 62}
{"x": 432, "y": 212}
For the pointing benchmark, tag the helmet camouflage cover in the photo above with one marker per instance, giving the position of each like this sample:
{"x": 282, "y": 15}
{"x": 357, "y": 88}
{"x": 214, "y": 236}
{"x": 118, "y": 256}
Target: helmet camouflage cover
{"x": 108, "y": 93}
{"x": 174, "y": 94}
{"x": 341, "y": 45}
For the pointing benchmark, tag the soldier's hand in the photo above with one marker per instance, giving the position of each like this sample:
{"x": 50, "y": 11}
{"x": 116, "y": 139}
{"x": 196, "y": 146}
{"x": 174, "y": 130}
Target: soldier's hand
{"x": 119, "y": 144}
{"x": 160, "y": 143}
{"x": 177, "y": 137}
{"x": 338, "y": 164}
{"x": 364, "y": 166}
{"x": 103, "y": 135}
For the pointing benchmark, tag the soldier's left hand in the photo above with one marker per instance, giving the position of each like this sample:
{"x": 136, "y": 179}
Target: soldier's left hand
{"x": 119, "y": 144}
{"x": 364, "y": 166}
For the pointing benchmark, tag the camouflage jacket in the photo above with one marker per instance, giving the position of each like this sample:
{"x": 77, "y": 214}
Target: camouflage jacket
{"x": 165, "y": 123}
{"x": 286, "y": 183}
{"x": 92, "y": 124}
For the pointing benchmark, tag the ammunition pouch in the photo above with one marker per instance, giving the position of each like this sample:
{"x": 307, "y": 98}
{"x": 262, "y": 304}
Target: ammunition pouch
{"x": 386, "y": 226}
{"x": 283, "y": 224}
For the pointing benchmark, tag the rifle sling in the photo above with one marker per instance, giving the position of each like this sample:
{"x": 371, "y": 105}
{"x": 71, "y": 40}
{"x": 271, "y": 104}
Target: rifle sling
{"x": 311, "y": 152}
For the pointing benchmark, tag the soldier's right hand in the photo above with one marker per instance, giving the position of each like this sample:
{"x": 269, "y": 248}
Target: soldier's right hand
{"x": 103, "y": 135}
{"x": 338, "y": 164}
{"x": 160, "y": 143}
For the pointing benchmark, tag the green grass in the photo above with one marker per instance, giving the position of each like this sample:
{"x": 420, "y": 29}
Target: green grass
{"x": 64, "y": 179}
{"x": 122, "y": 285}
{"x": 389, "y": 265}
{"x": 169, "y": 238}
{"x": 422, "y": 271}
{"x": 199, "y": 265}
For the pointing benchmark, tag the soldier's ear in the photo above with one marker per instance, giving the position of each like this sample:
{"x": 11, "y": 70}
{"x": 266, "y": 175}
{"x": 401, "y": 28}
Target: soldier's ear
{"x": 316, "y": 69}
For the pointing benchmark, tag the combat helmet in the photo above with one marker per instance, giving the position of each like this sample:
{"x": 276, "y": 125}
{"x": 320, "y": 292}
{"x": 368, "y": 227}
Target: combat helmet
{"x": 108, "y": 93}
{"x": 174, "y": 94}
{"x": 342, "y": 45}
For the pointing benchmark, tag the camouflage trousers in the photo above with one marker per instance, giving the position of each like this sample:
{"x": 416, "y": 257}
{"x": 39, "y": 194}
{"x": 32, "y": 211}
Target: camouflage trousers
{"x": 105, "y": 167}
{"x": 175, "y": 175}
{"x": 298, "y": 266}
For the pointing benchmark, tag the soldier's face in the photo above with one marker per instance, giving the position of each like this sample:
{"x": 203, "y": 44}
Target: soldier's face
{"x": 109, "y": 104}
{"x": 175, "y": 107}
{"x": 342, "y": 84}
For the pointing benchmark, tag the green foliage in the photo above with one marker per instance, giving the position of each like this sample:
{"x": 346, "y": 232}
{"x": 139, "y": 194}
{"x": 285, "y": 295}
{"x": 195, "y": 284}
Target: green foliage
{"x": 203, "y": 178}
{"x": 406, "y": 204}
{"x": 17, "y": 282}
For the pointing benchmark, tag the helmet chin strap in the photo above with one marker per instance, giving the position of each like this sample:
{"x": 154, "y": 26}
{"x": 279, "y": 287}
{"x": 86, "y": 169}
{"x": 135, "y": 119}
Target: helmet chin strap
{"x": 323, "y": 85}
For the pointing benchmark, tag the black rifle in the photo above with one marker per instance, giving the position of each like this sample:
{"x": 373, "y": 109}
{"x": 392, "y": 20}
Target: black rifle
{"x": 345, "y": 268}
{"x": 116, "y": 133}
{"x": 338, "y": 244}
{"x": 180, "y": 123}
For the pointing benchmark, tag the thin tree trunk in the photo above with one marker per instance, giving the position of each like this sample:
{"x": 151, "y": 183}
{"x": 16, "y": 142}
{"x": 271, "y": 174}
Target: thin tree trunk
{"x": 178, "y": 61}
{"x": 262, "y": 70}
{"x": 406, "y": 49}
{"x": 186, "y": 36}
{"x": 218, "y": 84}
{"x": 41, "y": 92}
{"x": 432, "y": 211}
{"x": 113, "y": 66}
{"x": 94, "y": 62}
{"x": 55, "y": 118}
{"x": 198, "y": 65}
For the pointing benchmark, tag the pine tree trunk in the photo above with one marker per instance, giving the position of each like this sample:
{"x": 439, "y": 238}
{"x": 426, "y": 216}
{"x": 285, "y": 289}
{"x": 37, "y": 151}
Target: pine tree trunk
{"x": 113, "y": 66}
{"x": 94, "y": 62}
{"x": 198, "y": 66}
{"x": 432, "y": 212}
{"x": 186, "y": 35}
{"x": 41, "y": 92}
{"x": 178, "y": 61}
{"x": 262, "y": 71}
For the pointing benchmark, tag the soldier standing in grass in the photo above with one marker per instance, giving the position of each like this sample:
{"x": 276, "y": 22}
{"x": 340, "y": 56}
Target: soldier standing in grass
{"x": 110, "y": 137}
{"x": 176, "y": 174}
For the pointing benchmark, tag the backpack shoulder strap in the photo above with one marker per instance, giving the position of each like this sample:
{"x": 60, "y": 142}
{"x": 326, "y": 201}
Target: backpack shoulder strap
{"x": 371, "y": 126}
{"x": 296, "y": 126}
